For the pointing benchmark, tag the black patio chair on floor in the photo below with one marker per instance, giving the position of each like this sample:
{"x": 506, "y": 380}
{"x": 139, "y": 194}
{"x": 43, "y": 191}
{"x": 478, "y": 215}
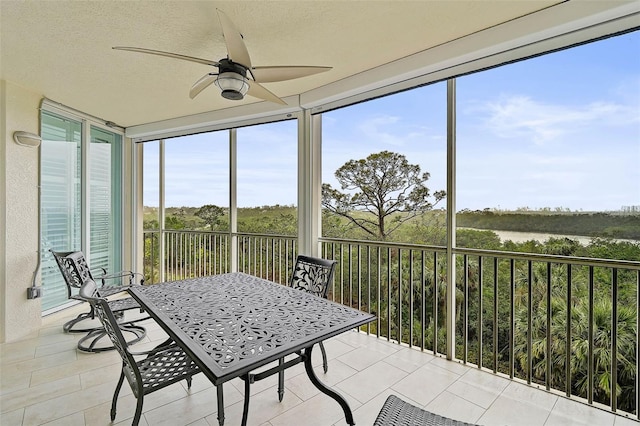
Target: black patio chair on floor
{"x": 161, "y": 366}
{"x": 396, "y": 412}
{"x": 75, "y": 271}
{"x": 313, "y": 275}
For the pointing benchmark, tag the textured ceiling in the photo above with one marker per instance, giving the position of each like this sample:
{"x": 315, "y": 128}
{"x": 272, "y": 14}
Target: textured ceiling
{"x": 62, "y": 49}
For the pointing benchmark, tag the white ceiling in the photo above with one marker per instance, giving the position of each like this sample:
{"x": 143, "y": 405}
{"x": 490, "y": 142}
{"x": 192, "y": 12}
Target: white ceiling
{"x": 62, "y": 49}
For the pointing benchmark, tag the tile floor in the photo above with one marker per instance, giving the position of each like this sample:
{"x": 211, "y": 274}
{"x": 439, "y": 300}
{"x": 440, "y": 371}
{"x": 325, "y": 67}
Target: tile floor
{"x": 46, "y": 381}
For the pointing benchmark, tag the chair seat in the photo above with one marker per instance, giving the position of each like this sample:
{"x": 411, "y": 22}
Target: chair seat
{"x": 106, "y": 291}
{"x": 123, "y": 304}
{"x": 396, "y": 412}
{"x": 165, "y": 367}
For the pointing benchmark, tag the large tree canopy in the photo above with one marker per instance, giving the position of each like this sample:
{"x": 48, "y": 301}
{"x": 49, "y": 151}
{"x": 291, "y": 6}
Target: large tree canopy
{"x": 380, "y": 193}
{"x": 210, "y": 214}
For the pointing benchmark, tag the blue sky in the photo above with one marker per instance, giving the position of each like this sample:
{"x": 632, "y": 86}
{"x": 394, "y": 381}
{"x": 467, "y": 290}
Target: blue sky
{"x": 560, "y": 130}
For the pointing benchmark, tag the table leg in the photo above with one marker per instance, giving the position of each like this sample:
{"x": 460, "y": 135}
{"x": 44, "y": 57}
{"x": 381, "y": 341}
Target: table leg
{"x": 220, "y": 405}
{"x": 247, "y": 394}
{"x": 280, "y": 380}
{"x": 348, "y": 415}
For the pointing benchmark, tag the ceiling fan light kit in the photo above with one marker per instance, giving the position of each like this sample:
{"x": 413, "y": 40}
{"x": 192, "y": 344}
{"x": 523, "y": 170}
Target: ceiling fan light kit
{"x": 233, "y": 85}
{"x": 232, "y": 71}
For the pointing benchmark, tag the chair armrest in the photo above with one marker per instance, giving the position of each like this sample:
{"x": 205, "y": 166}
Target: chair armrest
{"x": 121, "y": 274}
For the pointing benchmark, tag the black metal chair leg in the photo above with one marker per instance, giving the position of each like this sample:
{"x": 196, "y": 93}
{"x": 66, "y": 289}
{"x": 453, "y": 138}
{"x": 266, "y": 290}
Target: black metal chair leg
{"x": 67, "y": 327}
{"x": 136, "y": 417}
{"x": 115, "y": 396}
{"x": 95, "y": 335}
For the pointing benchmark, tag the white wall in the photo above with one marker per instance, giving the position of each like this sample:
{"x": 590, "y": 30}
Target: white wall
{"x": 19, "y": 110}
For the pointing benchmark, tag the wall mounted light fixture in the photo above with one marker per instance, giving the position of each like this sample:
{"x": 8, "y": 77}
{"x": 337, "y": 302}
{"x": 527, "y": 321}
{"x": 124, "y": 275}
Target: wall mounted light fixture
{"x": 27, "y": 139}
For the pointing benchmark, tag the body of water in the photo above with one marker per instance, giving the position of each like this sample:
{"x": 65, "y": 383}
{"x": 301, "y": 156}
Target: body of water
{"x": 520, "y": 237}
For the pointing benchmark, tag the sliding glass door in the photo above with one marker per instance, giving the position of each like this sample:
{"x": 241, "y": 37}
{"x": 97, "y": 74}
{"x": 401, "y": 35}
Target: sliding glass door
{"x": 80, "y": 198}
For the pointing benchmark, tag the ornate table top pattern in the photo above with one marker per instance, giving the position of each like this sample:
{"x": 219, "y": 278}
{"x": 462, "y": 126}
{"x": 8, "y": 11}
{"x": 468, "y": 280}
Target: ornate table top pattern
{"x": 236, "y": 322}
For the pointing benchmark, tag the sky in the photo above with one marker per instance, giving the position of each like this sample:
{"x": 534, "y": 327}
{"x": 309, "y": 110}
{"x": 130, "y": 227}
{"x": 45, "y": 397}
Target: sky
{"x": 558, "y": 131}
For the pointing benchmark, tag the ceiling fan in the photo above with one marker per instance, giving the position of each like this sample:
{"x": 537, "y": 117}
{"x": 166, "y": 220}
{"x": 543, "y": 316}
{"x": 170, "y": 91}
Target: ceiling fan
{"x": 236, "y": 75}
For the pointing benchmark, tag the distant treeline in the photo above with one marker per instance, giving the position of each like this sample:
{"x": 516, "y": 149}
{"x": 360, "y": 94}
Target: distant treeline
{"x": 605, "y": 225}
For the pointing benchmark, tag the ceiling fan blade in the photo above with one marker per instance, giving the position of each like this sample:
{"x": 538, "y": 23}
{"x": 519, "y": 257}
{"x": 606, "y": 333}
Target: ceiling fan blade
{"x": 282, "y": 73}
{"x": 258, "y": 91}
{"x": 236, "y": 49}
{"x": 168, "y": 54}
{"x": 202, "y": 84}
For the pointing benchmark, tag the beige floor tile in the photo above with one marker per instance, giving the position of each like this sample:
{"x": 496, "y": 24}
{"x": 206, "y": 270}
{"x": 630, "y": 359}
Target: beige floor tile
{"x": 12, "y": 418}
{"x": 55, "y": 348}
{"x": 454, "y": 407}
{"x": 302, "y": 387}
{"x": 97, "y": 376}
{"x": 507, "y": 410}
{"x": 473, "y": 394}
{"x": 485, "y": 380}
{"x": 531, "y": 395}
{"x": 262, "y": 407}
{"x": 334, "y": 348}
{"x": 318, "y": 411}
{"x": 409, "y": 359}
{"x": 40, "y": 394}
{"x": 191, "y": 408}
{"x": 626, "y": 421}
{"x": 426, "y": 383}
{"x": 12, "y": 381}
{"x": 362, "y": 358}
{"x": 19, "y": 351}
{"x": 76, "y": 419}
{"x": 65, "y": 405}
{"x": 35, "y": 364}
{"x": 368, "y": 383}
{"x": 566, "y": 412}
{"x": 200, "y": 422}
{"x": 453, "y": 366}
{"x": 84, "y": 363}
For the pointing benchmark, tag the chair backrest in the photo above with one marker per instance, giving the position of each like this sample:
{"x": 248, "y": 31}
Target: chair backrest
{"x": 312, "y": 274}
{"x": 89, "y": 292}
{"x": 74, "y": 268}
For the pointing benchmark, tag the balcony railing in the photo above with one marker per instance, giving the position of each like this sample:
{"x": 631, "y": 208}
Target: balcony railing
{"x": 555, "y": 322}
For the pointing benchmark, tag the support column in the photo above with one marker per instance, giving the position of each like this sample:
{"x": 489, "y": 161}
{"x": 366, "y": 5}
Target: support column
{"x": 305, "y": 186}
{"x": 233, "y": 200}
{"x": 309, "y": 183}
{"x": 451, "y": 219}
{"x": 161, "y": 213}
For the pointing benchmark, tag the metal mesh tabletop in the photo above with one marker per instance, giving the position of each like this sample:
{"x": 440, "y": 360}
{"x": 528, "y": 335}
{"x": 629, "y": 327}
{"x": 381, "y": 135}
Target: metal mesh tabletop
{"x": 236, "y": 322}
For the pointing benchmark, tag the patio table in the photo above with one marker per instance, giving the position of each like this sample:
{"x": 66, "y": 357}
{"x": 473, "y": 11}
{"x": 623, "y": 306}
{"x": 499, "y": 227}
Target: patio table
{"x": 231, "y": 324}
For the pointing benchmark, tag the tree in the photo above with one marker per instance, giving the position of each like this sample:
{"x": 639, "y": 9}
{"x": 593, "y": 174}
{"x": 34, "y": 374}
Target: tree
{"x": 210, "y": 214}
{"x": 383, "y": 191}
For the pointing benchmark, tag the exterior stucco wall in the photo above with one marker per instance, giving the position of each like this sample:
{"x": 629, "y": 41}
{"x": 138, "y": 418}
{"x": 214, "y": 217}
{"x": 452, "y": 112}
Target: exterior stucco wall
{"x": 19, "y": 110}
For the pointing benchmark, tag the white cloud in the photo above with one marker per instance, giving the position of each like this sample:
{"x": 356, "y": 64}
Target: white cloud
{"x": 526, "y": 118}
{"x": 391, "y": 131}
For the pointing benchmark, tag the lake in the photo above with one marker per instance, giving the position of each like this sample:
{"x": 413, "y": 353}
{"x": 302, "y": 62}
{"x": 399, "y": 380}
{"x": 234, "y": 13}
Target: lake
{"x": 520, "y": 237}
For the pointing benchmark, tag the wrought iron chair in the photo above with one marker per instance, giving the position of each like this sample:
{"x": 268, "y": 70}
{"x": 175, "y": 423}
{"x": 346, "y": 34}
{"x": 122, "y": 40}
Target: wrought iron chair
{"x": 396, "y": 412}
{"x": 313, "y": 275}
{"x": 162, "y": 366}
{"x": 75, "y": 271}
